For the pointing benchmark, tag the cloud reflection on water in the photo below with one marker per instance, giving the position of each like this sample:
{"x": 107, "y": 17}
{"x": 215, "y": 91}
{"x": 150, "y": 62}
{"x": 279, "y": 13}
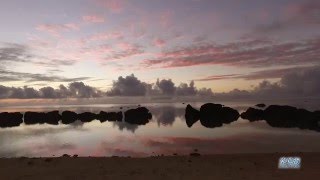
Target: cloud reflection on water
{"x": 166, "y": 133}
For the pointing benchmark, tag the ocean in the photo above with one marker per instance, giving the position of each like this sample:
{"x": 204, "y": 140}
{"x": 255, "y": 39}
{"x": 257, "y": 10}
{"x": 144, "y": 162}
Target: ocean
{"x": 166, "y": 134}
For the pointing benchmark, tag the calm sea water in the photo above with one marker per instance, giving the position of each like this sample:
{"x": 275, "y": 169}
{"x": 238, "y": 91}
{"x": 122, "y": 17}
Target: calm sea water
{"x": 167, "y": 133}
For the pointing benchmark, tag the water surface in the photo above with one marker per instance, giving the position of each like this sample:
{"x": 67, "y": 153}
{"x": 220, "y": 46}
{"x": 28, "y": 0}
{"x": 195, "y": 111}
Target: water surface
{"x": 167, "y": 133}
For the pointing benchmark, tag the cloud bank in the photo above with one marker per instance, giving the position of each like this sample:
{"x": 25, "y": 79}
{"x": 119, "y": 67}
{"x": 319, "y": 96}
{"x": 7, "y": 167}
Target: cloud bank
{"x": 74, "y": 90}
{"x": 304, "y": 82}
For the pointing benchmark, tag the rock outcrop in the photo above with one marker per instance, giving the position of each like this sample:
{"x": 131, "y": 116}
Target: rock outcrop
{"x": 69, "y": 117}
{"x": 285, "y": 117}
{"x": 192, "y": 115}
{"x": 214, "y": 115}
{"x": 87, "y": 117}
{"x": 10, "y": 119}
{"x": 139, "y": 116}
{"x": 109, "y": 116}
{"x": 52, "y": 117}
{"x": 34, "y": 118}
{"x": 252, "y": 114}
{"x": 211, "y": 115}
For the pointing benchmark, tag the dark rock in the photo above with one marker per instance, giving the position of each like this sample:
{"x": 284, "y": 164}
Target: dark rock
{"x": 229, "y": 115}
{"x": 87, "y": 117}
{"x": 102, "y": 116}
{"x": 281, "y": 116}
{"x": 290, "y": 117}
{"x": 75, "y": 156}
{"x": 110, "y": 116}
{"x": 194, "y": 154}
{"x": 140, "y": 116}
{"x": 10, "y": 119}
{"x": 52, "y": 117}
{"x": 192, "y": 115}
{"x": 34, "y": 118}
{"x": 69, "y": 117}
{"x": 65, "y": 155}
{"x": 261, "y": 105}
{"x": 115, "y": 116}
{"x": 252, "y": 114}
{"x": 214, "y": 115}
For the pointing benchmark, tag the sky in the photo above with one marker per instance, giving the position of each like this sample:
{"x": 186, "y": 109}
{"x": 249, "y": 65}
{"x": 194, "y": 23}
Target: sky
{"x": 228, "y": 47}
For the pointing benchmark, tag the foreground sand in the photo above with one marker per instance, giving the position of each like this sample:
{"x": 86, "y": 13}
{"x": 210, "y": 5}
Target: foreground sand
{"x": 241, "y": 166}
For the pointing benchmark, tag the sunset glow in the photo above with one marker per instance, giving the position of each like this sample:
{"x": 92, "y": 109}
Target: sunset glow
{"x": 48, "y": 43}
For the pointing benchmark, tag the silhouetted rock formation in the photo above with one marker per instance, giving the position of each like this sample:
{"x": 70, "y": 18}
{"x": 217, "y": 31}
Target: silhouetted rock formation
{"x": 102, "y": 116}
{"x": 211, "y": 115}
{"x": 261, "y": 105}
{"x": 34, "y": 118}
{"x": 252, "y": 114}
{"x": 285, "y": 117}
{"x": 288, "y": 116}
{"x": 140, "y": 116}
{"x": 115, "y": 116}
{"x": 87, "y": 117}
{"x": 69, "y": 117}
{"x": 214, "y": 115}
{"x": 192, "y": 115}
{"x": 10, "y": 119}
{"x": 52, "y": 117}
{"x": 109, "y": 116}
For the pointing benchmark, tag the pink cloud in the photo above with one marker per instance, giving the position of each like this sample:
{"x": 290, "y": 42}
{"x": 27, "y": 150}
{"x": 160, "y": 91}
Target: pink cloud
{"x": 93, "y": 19}
{"x": 253, "y": 53}
{"x": 125, "y": 46}
{"x": 105, "y": 36}
{"x": 159, "y": 42}
{"x": 126, "y": 50}
{"x": 218, "y": 77}
{"x": 114, "y": 6}
{"x": 56, "y": 29}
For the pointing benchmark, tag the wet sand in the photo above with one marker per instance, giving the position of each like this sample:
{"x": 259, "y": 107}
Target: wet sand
{"x": 239, "y": 166}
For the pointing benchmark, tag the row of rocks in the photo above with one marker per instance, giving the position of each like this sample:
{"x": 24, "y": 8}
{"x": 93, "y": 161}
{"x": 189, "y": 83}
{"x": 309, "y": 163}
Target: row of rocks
{"x": 211, "y": 115}
{"x": 215, "y": 115}
{"x": 139, "y": 116}
{"x": 285, "y": 117}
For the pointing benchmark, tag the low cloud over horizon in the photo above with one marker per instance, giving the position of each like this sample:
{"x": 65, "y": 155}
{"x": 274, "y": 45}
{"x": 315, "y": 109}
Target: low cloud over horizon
{"x": 301, "y": 83}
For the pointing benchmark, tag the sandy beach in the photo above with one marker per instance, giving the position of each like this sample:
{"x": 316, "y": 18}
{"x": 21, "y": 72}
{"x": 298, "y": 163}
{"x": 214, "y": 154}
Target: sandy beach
{"x": 239, "y": 166}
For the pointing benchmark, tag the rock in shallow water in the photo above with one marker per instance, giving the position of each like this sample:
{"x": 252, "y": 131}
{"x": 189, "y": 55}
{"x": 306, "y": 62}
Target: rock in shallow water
{"x": 211, "y": 115}
{"x": 10, "y": 119}
{"x": 140, "y": 116}
{"x": 285, "y": 117}
{"x": 69, "y": 117}
{"x": 252, "y": 114}
{"x": 34, "y": 118}
{"x": 214, "y": 115}
{"x": 192, "y": 115}
{"x": 87, "y": 116}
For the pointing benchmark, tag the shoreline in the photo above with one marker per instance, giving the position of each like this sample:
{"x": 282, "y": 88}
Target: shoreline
{"x": 218, "y": 166}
